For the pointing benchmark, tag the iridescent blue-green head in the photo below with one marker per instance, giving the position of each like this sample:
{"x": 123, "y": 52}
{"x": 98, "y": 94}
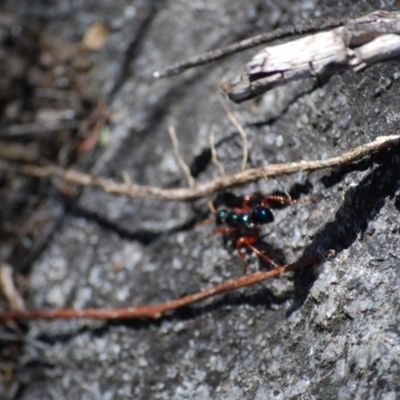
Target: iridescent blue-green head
{"x": 261, "y": 215}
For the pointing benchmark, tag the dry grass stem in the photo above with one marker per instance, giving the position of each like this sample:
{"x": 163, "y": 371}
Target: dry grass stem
{"x": 8, "y": 288}
{"x": 201, "y": 190}
{"x": 126, "y": 178}
{"x": 242, "y": 134}
{"x": 179, "y": 159}
{"x": 214, "y": 156}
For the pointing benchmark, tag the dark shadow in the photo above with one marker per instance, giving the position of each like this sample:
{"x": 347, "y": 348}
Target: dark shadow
{"x": 361, "y": 204}
{"x": 200, "y": 163}
{"x": 397, "y": 202}
{"x": 22, "y": 264}
{"x": 143, "y": 236}
{"x": 70, "y": 207}
{"x": 138, "y": 38}
{"x": 203, "y": 159}
{"x": 337, "y": 174}
{"x": 22, "y": 258}
{"x": 300, "y": 189}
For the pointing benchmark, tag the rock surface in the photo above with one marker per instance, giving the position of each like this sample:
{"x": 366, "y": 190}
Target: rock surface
{"x": 331, "y": 332}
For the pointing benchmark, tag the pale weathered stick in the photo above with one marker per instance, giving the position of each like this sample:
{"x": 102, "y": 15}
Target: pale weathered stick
{"x": 280, "y": 33}
{"x": 358, "y": 44}
{"x": 205, "y": 189}
{"x": 157, "y": 310}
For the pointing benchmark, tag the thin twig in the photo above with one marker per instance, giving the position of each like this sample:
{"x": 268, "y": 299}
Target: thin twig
{"x": 8, "y": 288}
{"x": 157, "y": 310}
{"x": 212, "y": 208}
{"x": 242, "y": 134}
{"x": 205, "y": 189}
{"x": 214, "y": 156}
{"x": 179, "y": 159}
{"x": 126, "y": 178}
{"x": 36, "y": 129}
{"x": 18, "y": 152}
{"x": 280, "y": 33}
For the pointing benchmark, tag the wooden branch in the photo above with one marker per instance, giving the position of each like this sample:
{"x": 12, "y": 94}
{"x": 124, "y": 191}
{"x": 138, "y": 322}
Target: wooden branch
{"x": 157, "y": 310}
{"x": 205, "y": 189}
{"x": 280, "y": 33}
{"x": 358, "y": 44}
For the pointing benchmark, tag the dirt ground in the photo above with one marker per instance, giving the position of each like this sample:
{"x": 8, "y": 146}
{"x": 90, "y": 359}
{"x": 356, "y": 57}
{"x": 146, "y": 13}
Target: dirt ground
{"x": 91, "y": 103}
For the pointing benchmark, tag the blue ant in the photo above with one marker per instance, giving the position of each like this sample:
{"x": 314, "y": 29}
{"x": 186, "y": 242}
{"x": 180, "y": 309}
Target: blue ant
{"x": 244, "y": 222}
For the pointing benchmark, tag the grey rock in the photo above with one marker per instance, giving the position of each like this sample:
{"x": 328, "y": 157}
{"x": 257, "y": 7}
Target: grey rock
{"x": 329, "y": 332}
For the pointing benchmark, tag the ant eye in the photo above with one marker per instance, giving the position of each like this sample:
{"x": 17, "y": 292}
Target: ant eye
{"x": 261, "y": 215}
{"x": 221, "y": 216}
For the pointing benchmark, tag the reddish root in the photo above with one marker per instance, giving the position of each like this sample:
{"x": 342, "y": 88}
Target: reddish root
{"x": 157, "y": 310}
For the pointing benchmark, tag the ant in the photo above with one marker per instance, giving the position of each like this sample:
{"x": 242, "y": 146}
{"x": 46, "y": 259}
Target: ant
{"x": 244, "y": 223}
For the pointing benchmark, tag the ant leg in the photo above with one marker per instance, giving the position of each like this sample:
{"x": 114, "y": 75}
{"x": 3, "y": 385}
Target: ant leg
{"x": 252, "y": 200}
{"x": 226, "y": 230}
{"x": 232, "y": 232}
{"x": 257, "y": 199}
{"x": 262, "y": 255}
{"x": 284, "y": 200}
{"x": 277, "y": 199}
{"x": 248, "y": 241}
{"x": 240, "y": 243}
